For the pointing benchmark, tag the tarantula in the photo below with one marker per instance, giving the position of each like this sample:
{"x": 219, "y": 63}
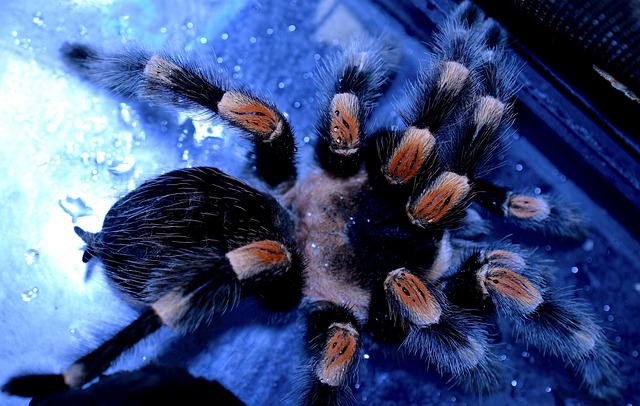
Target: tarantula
{"x": 369, "y": 242}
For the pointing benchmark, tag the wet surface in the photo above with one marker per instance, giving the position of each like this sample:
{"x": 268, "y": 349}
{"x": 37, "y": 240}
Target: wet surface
{"x": 70, "y": 150}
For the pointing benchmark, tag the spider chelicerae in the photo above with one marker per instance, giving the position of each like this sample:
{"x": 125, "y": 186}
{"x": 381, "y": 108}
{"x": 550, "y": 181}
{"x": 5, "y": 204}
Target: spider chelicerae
{"x": 375, "y": 241}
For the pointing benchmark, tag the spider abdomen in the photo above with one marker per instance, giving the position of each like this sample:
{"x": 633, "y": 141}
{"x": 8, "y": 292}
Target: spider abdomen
{"x": 184, "y": 218}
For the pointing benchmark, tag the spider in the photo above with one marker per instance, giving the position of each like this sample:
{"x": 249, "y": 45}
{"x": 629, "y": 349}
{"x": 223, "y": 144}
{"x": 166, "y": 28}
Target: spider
{"x": 374, "y": 241}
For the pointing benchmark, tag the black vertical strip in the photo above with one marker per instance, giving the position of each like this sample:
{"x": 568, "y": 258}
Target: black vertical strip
{"x": 97, "y": 361}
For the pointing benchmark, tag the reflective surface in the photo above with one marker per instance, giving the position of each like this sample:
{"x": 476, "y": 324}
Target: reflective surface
{"x": 70, "y": 150}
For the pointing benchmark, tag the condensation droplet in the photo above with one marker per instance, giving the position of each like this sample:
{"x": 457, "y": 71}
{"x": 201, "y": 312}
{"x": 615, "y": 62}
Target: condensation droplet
{"x": 31, "y": 256}
{"x": 123, "y": 167}
{"x": 75, "y": 207}
{"x": 30, "y": 295}
{"x": 588, "y": 245}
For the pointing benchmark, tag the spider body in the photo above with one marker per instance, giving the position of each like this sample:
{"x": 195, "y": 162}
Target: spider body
{"x": 374, "y": 240}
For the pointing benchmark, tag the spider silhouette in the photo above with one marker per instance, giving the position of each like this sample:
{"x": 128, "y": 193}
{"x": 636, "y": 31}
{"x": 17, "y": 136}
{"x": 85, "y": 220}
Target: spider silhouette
{"x": 373, "y": 241}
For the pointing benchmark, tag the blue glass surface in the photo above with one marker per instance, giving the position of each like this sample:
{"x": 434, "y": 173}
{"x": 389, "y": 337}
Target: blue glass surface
{"x": 70, "y": 150}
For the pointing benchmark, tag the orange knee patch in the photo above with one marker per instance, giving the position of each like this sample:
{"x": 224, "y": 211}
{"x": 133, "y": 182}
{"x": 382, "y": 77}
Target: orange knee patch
{"x": 409, "y": 155}
{"x": 526, "y": 207}
{"x": 257, "y": 257}
{"x": 416, "y": 303}
{"x": 514, "y": 287}
{"x": 338, "y": 355}
{"x": 505, "y": 258}
{"x": 448, "y": 191}
{"x": 250, "y": 114}
{"x": 453, "y": 76}
{"x": 345, "y": 129}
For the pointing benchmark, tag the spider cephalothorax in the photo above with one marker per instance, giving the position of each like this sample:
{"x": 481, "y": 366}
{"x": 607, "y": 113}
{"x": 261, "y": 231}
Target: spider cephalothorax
{"x": 369, "y": 241}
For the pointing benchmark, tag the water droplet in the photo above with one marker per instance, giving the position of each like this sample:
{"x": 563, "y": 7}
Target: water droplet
{"x": 574, "y": 269}
{"x": 75, "y": 207}
{"x": 588, "y": 245}
{"x": 37, "y": 19}
{"x": 30, "y": 295}
{"x": 281, "y": 85}
{"x": 606, "y": 308}
{"x": 123, "y": 167}
{"x": 306, "y": 140}
{"x": 31, "y": 256}
{"x": 269, "y": 31}
{"x": 547, "y": 389}
{"x": 366, "y": 356}
{"x": 519, "y": 167}
{"x": 537, "y": 191}
{"x": 224, "y": 36}
{"x": 514, "y": 383}
{"x": 203, "y": 40}
{"x": 252, "y": 40}
{"x": 292, "y": 28}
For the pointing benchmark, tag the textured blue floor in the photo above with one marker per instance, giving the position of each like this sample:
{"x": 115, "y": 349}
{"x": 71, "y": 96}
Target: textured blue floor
{"x": 70, "y": 150}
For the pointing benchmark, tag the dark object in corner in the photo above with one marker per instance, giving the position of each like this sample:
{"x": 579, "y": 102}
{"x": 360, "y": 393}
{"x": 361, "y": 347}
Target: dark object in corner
{"x": 152, "y": 385}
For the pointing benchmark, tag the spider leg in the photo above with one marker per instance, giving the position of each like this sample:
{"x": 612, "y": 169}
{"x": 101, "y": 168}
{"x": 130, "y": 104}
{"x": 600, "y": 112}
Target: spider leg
{"x": 333, "y": 337}
{"x": 167, "y": 80}
{"x": 537, "y": 212}
{"x": 349, "y": 83}
{"x": 187, "y": 246}
{"x": 412, "y": 310}
{"x": 506, "y": 281}
{"x": 460, "y": 107}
